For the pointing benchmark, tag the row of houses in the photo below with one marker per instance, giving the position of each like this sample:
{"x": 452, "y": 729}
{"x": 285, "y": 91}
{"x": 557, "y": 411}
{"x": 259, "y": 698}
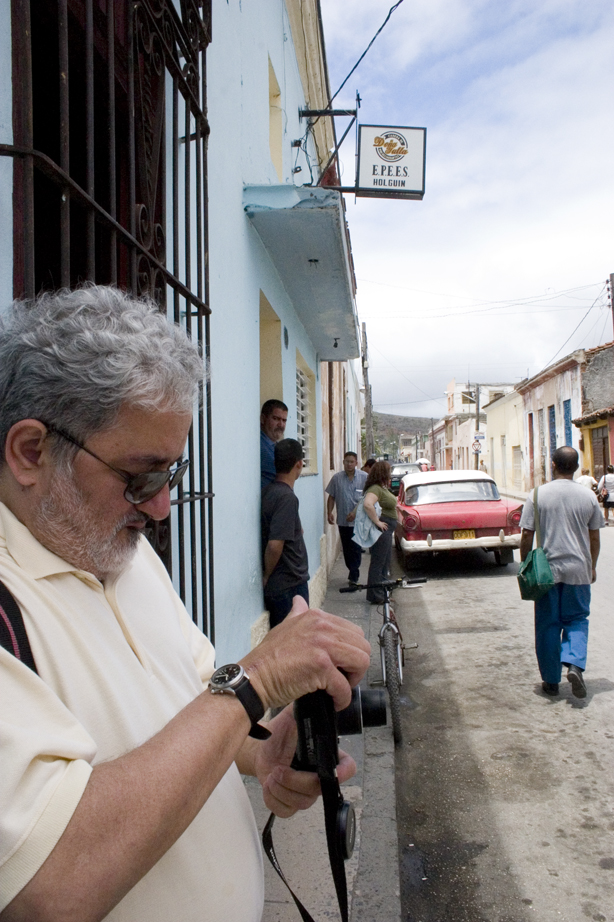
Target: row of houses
{"x": 518, "y": 427}
{"x": 568, "y": 403}
{"x": 162, "y": 146}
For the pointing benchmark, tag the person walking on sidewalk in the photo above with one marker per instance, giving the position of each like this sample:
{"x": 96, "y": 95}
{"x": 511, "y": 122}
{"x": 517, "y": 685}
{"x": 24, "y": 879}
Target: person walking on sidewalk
{"x": 605, "y": 489}
{"x": 345, "y": 491}
{"x": 569, "y": 519}
{"x": 285, "y": 565}
{"x": 376, "y": 491}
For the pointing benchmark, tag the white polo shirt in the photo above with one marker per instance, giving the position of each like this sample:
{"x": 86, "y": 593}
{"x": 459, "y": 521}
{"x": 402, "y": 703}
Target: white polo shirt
{"x": 116, "y": 663}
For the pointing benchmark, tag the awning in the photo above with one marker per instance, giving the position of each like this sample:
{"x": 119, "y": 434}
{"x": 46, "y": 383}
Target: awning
{"x": 593, "y": 417}
{"x": 304, "y": 232}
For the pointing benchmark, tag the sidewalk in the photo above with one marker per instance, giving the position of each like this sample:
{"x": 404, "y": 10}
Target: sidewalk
{"x": 300, "y": 842}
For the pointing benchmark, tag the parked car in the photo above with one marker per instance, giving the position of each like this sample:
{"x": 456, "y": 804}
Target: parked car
{"x": 398, "y": 472}
{"x": 450, "y": 510}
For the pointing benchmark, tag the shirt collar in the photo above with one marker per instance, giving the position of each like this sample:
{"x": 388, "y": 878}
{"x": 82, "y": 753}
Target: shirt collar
{"x": 29, "y": 553}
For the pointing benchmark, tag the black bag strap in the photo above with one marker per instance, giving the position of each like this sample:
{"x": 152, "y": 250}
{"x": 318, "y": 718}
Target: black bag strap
{"x": 13, "y": 635}
{"x": 331, "y": 797}
{"x": 332, "y": 801}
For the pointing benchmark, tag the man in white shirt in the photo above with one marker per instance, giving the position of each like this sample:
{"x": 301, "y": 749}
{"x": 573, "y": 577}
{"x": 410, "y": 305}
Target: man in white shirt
{"x": 569, "y": 519}
{"x": 120, "y": 794}
{"x": 586, "y": 479}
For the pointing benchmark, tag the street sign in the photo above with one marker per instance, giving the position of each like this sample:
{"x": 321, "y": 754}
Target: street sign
{"x": 477, "y": 448}
{"x": 391, "y": 162}
{"x": 479, "y": 435}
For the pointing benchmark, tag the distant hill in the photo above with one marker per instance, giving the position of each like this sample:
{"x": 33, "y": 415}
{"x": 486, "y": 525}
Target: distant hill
{"x": 387, "y": 423}
{"x": 387, "y": 429}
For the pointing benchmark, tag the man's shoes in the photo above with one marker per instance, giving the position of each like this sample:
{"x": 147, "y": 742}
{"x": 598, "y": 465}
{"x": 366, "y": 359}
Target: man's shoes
{"x": 550, "y": 688}
{"x": 578, "y": 685}
{"x": 352, "y": 583}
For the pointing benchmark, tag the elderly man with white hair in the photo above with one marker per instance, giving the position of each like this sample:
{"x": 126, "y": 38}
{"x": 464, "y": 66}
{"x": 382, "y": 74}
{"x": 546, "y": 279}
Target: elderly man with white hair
{"x": 120, "y": 792}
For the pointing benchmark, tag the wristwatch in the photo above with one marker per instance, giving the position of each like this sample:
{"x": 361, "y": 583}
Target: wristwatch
{"x": 233, "y": 680}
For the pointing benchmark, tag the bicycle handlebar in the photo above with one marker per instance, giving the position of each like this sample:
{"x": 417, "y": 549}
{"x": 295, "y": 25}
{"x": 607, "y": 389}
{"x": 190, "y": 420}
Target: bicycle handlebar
{"x": 386, "y": 584}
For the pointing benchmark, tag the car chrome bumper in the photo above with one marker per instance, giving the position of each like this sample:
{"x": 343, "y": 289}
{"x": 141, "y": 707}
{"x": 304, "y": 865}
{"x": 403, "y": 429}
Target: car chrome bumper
{"x": 491, "y": 542}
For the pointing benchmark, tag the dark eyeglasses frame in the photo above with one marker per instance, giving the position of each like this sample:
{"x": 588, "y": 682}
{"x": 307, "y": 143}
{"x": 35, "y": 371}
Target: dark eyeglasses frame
{"x": 140, "y": 488}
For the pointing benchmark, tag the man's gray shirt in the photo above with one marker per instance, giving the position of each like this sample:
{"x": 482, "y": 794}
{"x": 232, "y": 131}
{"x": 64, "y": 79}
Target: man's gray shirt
{"x": 567, "y": 511}
{"x": 346, "y": 493}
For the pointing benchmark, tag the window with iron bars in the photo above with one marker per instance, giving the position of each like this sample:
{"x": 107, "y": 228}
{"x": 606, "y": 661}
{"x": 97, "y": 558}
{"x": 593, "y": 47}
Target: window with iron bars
{"x": 109, "y": 186}
{"x": 306, "y": 413}
{"x": 302, "y": 415}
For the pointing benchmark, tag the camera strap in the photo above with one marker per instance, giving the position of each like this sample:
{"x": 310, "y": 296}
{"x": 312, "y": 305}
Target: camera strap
{"x": 332, "y": 800}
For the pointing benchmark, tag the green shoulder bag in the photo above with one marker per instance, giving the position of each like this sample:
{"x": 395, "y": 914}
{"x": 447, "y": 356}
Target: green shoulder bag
{"x": 535, "y": 577}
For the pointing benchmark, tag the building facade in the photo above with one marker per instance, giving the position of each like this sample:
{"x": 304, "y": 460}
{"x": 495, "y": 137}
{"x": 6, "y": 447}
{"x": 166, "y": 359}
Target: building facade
{"x": 158, "y": 145}
{"x": 596, "y": 422}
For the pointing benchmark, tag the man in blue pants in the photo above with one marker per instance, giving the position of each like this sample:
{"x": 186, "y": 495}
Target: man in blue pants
{"x": 569, "y": 519}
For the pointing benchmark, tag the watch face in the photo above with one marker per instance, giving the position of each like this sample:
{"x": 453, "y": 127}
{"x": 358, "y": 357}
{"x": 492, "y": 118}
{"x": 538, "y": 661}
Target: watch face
{"x": 225, "y": 675}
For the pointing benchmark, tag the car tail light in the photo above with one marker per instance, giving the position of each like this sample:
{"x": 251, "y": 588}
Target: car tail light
{"x": 513, "y": 518}
{"x": 411, "y": 522}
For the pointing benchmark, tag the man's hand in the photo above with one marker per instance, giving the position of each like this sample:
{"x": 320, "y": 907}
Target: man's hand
{"x": 330, "y": 505}
{"x": 331, "y": 518}
{"x": 307, "y": 652}
{"x": 285, "y": 790}
{"x": 526, "y": 543}
{"x": 351, "y": 516}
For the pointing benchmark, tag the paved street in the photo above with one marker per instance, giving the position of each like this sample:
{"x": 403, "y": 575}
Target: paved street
{"x": 505, "y": 797}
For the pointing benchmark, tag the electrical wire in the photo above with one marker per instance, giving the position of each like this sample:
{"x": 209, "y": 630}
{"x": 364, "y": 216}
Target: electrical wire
{"x": 575, "y": 328}
{"x": 405, "y": 376}
{"x": 390, "y": 12}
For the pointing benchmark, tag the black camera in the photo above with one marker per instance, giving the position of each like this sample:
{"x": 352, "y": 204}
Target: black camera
{"x": 319, "y": 727}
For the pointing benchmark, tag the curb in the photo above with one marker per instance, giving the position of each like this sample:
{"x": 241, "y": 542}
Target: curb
{"x": 300, "y": 842}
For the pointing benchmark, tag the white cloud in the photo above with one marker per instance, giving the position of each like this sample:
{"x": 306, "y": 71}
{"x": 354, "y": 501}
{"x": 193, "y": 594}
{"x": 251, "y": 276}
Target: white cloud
{"x": 517, "y": 103}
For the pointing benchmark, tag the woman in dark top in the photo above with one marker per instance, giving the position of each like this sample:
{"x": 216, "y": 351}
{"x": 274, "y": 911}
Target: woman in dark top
{"x": 376, "y": 491}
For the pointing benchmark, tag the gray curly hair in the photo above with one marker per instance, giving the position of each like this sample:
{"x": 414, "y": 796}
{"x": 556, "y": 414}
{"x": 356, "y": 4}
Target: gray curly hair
{"x": 72, "y": 359}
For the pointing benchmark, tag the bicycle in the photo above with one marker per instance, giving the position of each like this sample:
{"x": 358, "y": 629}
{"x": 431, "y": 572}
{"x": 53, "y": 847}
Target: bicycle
{"x": 392, "y": 648}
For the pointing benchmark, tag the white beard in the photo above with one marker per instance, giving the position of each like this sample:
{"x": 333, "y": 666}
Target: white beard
{"x": 64, "y": 524}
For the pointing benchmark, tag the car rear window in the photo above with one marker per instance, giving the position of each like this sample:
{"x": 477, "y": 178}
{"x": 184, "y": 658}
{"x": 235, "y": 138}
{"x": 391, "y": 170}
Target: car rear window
{"x": 454, "y": 491}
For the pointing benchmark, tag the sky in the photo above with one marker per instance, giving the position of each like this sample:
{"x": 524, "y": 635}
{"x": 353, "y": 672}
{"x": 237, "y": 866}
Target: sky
{"x": 502, "y": 267}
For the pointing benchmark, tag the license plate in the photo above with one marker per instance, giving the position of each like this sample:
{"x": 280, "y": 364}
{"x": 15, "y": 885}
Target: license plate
{"x": 464, "y": 533}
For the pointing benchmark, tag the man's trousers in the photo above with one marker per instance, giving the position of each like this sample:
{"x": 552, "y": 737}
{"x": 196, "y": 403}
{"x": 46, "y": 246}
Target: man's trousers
{"x": 561, "y": 629}
{"x": 279, "y": 604}
{"x": 352, "y": 552}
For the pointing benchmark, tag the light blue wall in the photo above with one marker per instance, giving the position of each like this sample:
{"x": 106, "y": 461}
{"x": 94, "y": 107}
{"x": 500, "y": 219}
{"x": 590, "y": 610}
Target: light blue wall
{"x": 6, "y": 164}
{"x": 245, "y": 35}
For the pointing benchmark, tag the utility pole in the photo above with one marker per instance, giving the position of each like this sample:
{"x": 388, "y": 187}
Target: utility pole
{"x": 611, "y": 297}
{"x": 477, "y": 422}
{"x": 433, "y": 453}
{"x": 370, "y": 443}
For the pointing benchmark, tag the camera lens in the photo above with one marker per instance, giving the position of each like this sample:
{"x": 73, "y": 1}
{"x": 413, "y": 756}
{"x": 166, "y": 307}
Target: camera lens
{"x": 367, "y": 708}
{"x": 374, "y": 707}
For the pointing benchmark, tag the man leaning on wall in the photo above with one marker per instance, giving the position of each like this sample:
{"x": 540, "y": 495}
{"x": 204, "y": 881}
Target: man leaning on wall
{"x": 273, "y": 417}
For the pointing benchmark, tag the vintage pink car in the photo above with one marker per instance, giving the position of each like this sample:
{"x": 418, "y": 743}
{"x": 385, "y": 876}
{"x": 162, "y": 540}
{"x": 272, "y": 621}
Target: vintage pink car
{"x": 450, "y": 510}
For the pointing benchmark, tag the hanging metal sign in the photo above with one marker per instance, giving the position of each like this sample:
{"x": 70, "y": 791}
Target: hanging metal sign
{"x": 391, "y": 162}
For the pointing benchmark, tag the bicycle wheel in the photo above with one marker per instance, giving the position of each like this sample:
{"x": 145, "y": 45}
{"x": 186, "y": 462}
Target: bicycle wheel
{"x": 391, "y": 660}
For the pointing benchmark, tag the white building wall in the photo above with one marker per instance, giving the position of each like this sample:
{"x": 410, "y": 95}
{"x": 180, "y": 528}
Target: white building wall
{"x": 245, "y": 36}
{"x": 554, "y": 392}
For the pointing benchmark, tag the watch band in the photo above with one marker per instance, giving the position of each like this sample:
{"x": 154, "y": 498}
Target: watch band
{"x": 249, "y": 698}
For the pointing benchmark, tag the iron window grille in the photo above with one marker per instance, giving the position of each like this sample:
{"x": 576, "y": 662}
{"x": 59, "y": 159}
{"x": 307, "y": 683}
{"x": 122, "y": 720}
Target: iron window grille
{"x": 110, "y": 186}
{"x": 302, "y": 415}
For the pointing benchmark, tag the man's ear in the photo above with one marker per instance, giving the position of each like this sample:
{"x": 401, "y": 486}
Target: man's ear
{"x": 24, "y": 450}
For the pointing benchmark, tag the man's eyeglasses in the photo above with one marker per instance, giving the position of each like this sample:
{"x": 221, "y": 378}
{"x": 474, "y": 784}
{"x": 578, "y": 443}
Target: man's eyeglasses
{"x": 140, "y": 488}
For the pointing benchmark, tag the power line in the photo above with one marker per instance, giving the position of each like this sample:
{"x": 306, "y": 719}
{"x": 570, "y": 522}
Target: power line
{"x": 406, "y": 378}
{"x": 390, "y": 12}
{"x": 576, "y": 328}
